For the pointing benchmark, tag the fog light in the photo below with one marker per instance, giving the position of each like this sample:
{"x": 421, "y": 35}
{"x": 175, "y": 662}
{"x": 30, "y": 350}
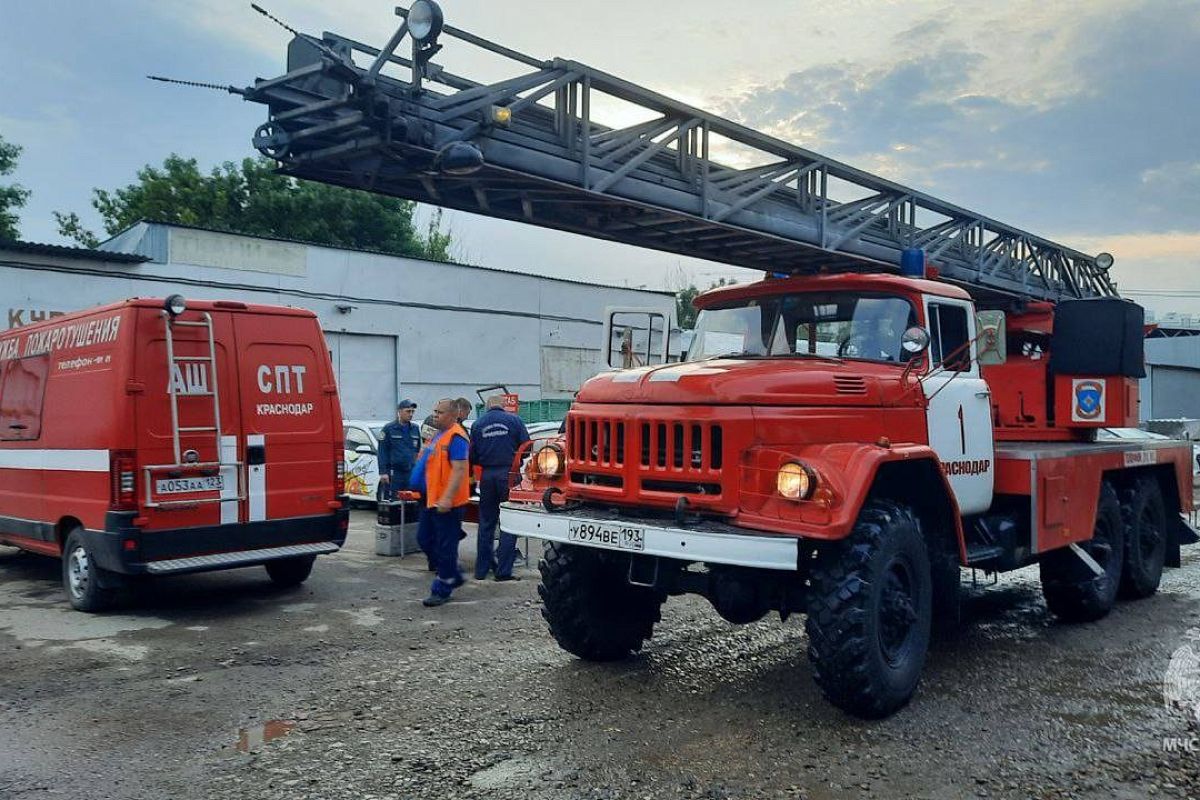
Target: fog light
{"x": 795, "y": 481}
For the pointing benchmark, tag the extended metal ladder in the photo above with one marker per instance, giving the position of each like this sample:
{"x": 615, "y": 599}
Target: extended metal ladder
{"x": 223, "y": 467}
{"x": 656, "y": 184}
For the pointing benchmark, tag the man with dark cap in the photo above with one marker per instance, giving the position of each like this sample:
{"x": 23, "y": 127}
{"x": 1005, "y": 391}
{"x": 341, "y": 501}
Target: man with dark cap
{"x": 398, "y": 447}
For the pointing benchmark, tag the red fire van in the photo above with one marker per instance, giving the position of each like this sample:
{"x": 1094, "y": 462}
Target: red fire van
{"x": 157, "y": 437}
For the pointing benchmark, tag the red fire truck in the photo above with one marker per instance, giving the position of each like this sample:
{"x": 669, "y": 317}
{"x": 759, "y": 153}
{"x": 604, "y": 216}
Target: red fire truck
{"x": 843, "y": 436}
{"x": 158, "y": 437}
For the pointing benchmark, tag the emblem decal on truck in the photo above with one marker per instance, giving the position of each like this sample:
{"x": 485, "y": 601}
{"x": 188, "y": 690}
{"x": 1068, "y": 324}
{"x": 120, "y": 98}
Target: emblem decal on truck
{"x": 1089, "y": 400}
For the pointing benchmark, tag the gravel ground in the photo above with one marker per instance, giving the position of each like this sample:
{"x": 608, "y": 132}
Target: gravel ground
{"x": 221, "y": 686}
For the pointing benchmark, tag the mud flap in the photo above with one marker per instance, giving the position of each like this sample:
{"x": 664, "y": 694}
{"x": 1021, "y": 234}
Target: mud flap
{"x": 1181, "y": 532}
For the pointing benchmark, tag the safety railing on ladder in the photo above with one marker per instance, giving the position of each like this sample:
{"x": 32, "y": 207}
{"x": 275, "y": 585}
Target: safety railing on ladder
{"x": 209, "y": 475}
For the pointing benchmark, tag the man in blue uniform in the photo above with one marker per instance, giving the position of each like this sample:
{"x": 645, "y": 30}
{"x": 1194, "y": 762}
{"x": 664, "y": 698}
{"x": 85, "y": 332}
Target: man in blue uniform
{"x": 398, "y": 449}
{"x": 495, "y": 438}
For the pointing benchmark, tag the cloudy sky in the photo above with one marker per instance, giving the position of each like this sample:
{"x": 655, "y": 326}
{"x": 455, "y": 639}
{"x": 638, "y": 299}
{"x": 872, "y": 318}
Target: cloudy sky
{"x": 1078, "y": 120}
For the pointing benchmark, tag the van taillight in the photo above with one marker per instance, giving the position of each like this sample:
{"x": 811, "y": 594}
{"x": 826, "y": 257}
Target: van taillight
{"x": 339, "y": 471}
{"x": 124, "y": 481}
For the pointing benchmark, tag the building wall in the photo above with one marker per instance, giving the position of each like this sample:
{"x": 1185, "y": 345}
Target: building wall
{"x": 399, "y": 327}
{"x": 1171, "y": 388}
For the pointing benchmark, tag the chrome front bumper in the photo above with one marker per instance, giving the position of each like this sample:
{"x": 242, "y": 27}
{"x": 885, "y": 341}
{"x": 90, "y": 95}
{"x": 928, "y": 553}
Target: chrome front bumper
{"x": 759, "y": 550}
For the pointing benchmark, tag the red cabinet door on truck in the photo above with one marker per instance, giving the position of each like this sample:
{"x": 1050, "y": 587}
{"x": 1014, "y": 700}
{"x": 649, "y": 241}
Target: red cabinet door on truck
{"x": 289, "y": 413}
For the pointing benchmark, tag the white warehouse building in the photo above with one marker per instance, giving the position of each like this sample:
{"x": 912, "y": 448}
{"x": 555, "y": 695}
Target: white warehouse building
{"x": 396, "y": 327}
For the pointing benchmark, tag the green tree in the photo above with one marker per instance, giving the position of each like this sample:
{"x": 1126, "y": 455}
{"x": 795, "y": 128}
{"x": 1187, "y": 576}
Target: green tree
{"x": 253, "y": 199}
{"x": 12, "y": 196}
{"x": 685, "y": 312}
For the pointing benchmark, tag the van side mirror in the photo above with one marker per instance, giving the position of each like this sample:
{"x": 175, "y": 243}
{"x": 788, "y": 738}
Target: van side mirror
{"x": 365, "y": 449}
{"x": 991, "y": 345}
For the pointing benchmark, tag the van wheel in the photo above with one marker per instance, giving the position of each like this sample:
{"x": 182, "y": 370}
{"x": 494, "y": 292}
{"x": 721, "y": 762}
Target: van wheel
{"x": 81, "y": 577}
{"x": 1145, "y": 520}
{"x": 591, "y": 608}
{"x": 290, "y": 571}
{"x": 870, "y": 611}
{"x": 1073, "y": 591}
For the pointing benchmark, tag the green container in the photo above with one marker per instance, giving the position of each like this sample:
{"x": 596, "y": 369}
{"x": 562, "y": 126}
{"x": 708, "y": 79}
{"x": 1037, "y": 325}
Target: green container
{"x": 537, "y": 410}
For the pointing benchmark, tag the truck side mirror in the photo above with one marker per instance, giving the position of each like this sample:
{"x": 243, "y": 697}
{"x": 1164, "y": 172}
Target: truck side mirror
{"x": 991, "y": 346}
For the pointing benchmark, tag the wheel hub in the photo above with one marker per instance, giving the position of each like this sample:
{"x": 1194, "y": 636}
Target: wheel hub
{"x": 78, "y": 572}
{"x": 897, "y": 611}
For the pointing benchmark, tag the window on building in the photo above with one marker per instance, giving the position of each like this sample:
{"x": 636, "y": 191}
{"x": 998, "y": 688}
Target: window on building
{"x": 949, "y": 335}
{"x": 22, "y": 392}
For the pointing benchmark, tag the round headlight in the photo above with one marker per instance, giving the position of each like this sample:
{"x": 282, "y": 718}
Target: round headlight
{"x": 425, "y": 20}
{"x": 1104, "y": 261}
{"x": 795, "y": 481}
{"x": 175, "y": 305}
{"x": 549, "y": 462}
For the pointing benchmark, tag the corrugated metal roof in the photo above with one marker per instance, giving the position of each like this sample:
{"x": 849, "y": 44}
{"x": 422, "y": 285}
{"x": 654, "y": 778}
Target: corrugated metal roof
{"x": 61, "y": 251}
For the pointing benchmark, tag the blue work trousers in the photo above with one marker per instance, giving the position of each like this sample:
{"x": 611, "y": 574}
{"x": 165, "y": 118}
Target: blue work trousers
{"x": 446, "y": 529}
{"x": 493, "y": 490}
{"x": 426, "y": 535}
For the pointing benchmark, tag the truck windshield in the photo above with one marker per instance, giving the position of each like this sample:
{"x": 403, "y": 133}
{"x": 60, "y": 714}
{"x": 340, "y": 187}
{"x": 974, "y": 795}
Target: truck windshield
{"x": 828, "y": 324}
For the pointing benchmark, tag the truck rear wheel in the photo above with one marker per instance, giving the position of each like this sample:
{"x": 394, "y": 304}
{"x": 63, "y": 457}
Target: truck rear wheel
{"x": 591, "y": 608}
{"x": 1145, "y": 518}
{"x": 1073, "y": 590}
{"x": 870, "y": 610}
{"x": 290, "y": 571}
{"x": 82, "y": 577}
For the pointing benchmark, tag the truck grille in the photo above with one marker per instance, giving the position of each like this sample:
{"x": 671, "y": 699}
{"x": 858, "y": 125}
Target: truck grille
{"x": 596, "y": 441}
{"x": 688, "y": 446}
{"x": 660, "y": 456}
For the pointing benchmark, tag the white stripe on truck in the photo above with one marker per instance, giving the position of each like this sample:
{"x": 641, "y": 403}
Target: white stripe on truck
{"x": 257, "y": 482}
{"x": 229, "y": 472}
{"x": 65, "y": 460}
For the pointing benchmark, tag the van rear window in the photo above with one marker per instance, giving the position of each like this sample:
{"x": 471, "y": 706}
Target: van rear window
{"x": 22, "y": 391}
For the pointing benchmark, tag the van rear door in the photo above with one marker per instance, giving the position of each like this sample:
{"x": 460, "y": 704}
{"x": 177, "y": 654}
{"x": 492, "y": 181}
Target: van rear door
{"x": 290, "y": 416}
{"x": 181, "y": 400}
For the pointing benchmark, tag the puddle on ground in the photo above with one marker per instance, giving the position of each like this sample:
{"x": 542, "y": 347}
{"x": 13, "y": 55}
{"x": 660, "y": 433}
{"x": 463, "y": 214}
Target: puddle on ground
{"x": 252, "y": 739}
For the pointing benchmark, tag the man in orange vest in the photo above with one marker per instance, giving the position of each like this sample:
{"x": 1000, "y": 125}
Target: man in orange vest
{"x": 444, "y": 467}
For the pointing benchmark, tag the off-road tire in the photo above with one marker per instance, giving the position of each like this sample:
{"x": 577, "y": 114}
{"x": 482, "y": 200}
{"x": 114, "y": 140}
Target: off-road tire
{"x": 1145, "y": 517}
{"x": 592, "y": 610}
{"x": 81, "y": 576}
{"x": 870, "y": 609}
{"x": 1073, "y": 592}
{"x": 287, "y": 572}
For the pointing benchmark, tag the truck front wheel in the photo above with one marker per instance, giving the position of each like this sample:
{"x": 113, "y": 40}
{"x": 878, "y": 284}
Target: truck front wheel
{"x": 1073, "y": 589}
{"x": 591, "y": 608}
{"x": 870, "y": 609}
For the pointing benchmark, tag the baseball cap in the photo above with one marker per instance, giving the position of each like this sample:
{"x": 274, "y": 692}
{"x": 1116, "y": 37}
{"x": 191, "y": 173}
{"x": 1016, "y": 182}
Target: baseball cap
{"x": 405, "y": 404}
